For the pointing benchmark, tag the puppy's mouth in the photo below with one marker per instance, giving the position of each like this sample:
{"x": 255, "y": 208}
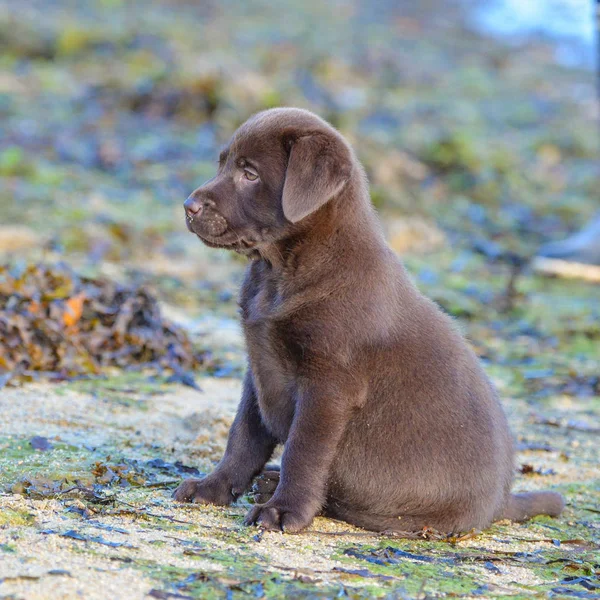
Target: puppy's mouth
{"x": 228, "y": 240}
{"x": 223, "y": 241}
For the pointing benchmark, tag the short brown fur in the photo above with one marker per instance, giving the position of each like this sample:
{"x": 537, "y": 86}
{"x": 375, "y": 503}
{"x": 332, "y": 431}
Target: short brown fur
{"x": 388, "y": 420}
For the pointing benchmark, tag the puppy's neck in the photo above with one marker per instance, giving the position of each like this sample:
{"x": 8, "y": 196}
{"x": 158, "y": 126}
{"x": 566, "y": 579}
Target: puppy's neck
{"x": 334, "y": 230}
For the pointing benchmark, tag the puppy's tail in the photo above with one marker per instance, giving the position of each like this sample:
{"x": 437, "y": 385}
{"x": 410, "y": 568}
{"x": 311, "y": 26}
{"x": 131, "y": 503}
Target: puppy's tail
{"x": 521, "y": 507}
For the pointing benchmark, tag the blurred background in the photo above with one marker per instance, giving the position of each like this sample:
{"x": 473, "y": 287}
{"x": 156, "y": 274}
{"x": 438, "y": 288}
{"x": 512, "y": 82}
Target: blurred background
{"x": 477, "y": 123}
{"x": 121, "y": 355}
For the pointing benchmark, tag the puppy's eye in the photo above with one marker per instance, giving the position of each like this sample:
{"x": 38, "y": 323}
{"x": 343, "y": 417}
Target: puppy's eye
{"x": 250, "y": 175}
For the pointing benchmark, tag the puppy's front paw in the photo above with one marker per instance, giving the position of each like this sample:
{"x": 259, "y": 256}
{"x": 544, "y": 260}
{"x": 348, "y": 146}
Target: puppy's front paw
{"x": 272, "y": 516}
{"x": 210, "y": 490}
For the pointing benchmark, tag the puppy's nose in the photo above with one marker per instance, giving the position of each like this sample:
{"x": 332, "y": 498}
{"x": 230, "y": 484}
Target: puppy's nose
{"x": 192, "y": 206}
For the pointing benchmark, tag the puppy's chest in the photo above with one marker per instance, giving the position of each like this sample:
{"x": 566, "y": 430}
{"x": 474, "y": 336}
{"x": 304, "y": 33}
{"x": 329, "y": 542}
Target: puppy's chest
{"x": 273, "y": 359}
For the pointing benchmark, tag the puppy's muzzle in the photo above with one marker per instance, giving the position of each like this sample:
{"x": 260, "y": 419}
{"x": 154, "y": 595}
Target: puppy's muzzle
{"x": 203, "y": 219}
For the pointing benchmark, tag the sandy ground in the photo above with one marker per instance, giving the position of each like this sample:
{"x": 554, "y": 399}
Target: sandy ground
{"x": 149, "y": 543}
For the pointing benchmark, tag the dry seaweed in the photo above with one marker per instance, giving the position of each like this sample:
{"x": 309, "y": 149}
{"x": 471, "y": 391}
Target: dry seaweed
{"x": 55, "y": 323}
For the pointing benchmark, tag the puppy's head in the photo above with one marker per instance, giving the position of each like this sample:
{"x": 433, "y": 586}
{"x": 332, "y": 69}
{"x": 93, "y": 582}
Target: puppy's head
{"x": 280, "y": 167}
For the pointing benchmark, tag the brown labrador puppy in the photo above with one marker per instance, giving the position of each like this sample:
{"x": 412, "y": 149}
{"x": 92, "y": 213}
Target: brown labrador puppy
{"x": 388, "y": 420}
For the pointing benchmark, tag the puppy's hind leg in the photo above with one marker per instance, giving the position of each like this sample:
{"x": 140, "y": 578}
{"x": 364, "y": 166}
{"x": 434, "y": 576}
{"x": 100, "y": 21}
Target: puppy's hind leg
{"x": 265, "y": 484}
{"x": 406, "y": 526}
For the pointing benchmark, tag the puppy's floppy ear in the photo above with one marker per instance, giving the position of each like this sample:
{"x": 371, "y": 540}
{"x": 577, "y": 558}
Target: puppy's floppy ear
{"x": 318, "y": 168}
